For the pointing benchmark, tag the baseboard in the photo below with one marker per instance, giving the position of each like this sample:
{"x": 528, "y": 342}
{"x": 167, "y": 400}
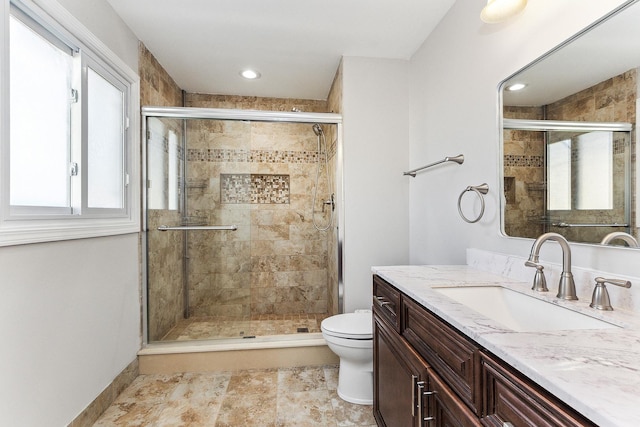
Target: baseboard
{"x": 100, "y": 404}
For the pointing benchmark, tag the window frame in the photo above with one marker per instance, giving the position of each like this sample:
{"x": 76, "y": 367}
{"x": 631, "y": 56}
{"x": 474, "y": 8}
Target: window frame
{"x": 26, "y": 225}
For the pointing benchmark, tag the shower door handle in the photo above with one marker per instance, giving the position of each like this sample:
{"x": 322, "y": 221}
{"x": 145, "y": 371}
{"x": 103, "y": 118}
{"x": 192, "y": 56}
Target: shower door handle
{"x": 199, "y": 227}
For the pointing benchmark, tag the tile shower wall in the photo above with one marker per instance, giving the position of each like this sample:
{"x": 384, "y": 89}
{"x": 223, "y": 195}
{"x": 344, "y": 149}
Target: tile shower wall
{"x": 260, "y": 177}
{"x": 524, "y": 175}
{"x": 165, "y": 297}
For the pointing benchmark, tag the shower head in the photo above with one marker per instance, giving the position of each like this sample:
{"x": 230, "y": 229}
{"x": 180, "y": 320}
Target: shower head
{"x": 317, "y": 129}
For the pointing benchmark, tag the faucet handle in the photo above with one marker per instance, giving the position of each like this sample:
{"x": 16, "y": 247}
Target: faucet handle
{"x": 530, "y": 263}
{"x": 600, "y": 299}
{"x": 539, "y": 281}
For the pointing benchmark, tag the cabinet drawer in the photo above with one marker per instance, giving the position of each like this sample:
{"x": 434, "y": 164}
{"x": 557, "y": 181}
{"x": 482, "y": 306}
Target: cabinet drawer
{"x": 386, "y": 302}
{"x": 453, "y": 356}
{"x": 508, "y": 398}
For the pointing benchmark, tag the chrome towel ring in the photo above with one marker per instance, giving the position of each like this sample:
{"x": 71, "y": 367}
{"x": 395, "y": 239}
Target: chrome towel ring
{"x": 480, "y": 190}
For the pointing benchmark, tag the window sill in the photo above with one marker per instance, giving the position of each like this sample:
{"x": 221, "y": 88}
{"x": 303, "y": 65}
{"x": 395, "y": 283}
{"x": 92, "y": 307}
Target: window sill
{"x": 70, "y": 230}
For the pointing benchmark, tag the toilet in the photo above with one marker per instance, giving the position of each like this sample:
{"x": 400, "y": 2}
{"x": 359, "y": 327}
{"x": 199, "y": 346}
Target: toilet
{"x": 350, "y": 337}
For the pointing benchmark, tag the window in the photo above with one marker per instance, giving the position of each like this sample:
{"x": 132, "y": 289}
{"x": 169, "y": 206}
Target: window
{"x": 594, "y": 170}
{"x": 559, "y": 175}
{"x": 39, "y": 154}
{"x": 68, "y": 147}
{"x": 580, "y": 172}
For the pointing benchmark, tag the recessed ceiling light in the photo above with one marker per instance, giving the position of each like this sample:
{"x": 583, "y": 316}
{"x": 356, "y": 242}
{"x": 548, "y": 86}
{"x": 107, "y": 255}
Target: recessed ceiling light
{"x": 515, "y": 87}
{"x": 250, "y": 74}
{"x": 500, "y": 10}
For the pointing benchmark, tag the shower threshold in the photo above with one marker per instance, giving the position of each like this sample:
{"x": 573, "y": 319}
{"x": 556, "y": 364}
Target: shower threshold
{"x": 310, "y": 339}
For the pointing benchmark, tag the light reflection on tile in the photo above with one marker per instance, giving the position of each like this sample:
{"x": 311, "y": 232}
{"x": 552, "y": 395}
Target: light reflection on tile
{"x": 258, "y": 398}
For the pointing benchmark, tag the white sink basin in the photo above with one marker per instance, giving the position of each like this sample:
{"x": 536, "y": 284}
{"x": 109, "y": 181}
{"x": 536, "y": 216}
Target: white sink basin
{"x": 520, "y": 312}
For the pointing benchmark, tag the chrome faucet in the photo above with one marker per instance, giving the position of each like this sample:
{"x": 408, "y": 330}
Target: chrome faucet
{"x": 566, "y": 287}
{"x": 626, "y": 237}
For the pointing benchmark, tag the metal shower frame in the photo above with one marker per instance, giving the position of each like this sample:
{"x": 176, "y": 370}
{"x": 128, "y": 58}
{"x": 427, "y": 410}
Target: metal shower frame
{"x": 247, "y": 115}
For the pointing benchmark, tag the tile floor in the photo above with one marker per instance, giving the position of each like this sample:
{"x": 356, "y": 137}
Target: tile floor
{"x": 203, "y": 328}
{"x": 296, "y": 397}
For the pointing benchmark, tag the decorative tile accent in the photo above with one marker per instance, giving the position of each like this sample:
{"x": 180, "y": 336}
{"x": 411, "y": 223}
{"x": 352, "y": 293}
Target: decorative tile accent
{"x": 619, "y": 145}
{"x": 524, "y": 161}
{"x": 254, "y": 188}
{"x": 251, "y": 156}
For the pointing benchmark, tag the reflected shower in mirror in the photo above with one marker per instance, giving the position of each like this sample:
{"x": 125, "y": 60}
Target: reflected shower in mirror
{"x": 568, "y": 139}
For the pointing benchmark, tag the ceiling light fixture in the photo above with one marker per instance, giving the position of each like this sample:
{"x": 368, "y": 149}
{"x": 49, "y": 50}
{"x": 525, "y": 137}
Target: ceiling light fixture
{"x": 515, "y": 87}
{"x": 500, "y": 10}
{"x": 250, "y": 74}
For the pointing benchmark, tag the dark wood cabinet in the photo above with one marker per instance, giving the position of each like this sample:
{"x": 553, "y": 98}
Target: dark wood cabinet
{"x": 446, "y": 408}
{"x": 455, "y": 358}
{"x": 428, "y": 374}
{"x": 386, "y": 299}
{"x": 398, "y": 373}
{"x": 511, "y": 398}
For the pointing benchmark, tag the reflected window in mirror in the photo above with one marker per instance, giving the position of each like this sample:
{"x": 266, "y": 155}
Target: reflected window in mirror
{"x": 559, "y": 175}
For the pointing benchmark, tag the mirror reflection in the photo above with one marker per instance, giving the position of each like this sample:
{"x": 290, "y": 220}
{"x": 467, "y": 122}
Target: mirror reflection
{"x": 569, "y": 163}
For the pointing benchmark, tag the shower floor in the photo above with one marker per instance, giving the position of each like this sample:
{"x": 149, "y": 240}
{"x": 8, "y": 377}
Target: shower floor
{"x": 206, "y": 328}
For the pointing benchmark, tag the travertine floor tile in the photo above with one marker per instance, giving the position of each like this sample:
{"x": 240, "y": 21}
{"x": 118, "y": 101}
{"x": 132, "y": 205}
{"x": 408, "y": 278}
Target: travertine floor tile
{"x": 286, "y": 397}
{"x": 305, "y": 409}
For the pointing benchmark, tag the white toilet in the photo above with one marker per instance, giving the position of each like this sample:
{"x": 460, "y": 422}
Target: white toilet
{"x": 350, "y": 337}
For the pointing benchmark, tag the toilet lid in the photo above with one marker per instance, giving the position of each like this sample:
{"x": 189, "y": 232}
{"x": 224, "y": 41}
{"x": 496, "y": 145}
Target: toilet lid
{"x": 349, "y": 325}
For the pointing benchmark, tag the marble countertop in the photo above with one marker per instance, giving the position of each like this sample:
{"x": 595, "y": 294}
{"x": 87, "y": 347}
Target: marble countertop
{"x": 595, "y": 371}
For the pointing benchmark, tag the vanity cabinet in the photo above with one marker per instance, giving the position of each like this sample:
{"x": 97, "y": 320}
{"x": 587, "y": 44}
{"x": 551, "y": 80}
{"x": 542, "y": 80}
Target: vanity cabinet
{"x": 426, "y": 373}
{"x": 407, "y": 391}
{"x": 398, "y": 370}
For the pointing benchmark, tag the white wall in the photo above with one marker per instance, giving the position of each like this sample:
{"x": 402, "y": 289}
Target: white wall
{"x": 69, "y": 310}
{"x": 69, "y": 323}
{"x": 454, "y": 80}
{"x": 375, "y": 111}
{"x": 100, "y": 18}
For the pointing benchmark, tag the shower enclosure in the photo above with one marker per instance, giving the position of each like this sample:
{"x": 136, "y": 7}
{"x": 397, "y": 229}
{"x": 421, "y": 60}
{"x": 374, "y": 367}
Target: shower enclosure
{"x": 233, "y": 200}
{"x": 577, "y": 180}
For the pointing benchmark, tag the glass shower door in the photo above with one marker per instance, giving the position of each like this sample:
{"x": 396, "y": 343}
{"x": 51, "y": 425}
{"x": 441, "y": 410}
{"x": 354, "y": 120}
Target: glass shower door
{"x": 165, "y": 250}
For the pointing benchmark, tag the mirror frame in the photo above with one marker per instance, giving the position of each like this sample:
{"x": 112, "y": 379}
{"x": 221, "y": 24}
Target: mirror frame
{"x": 501, "y": 119}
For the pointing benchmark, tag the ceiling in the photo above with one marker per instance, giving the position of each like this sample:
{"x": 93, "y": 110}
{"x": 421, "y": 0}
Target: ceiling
{"x": 296, "y": 45}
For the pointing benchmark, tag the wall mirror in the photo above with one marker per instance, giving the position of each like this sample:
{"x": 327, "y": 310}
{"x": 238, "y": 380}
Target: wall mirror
{"x": 569, "y": 137}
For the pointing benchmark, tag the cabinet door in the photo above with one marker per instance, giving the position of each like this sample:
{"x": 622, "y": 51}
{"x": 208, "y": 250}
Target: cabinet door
{"x": 445, "y": 407}
{"x": 397, "y": 372}
{"x": 456, "y": 358}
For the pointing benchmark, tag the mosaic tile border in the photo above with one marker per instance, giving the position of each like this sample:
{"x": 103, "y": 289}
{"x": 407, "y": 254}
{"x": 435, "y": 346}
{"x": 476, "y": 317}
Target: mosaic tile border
{"x": 251, "y": 156}
{"x": 524, "y": 161}
{"x": 250, "y": 188}
{"x": 619, "y": 145}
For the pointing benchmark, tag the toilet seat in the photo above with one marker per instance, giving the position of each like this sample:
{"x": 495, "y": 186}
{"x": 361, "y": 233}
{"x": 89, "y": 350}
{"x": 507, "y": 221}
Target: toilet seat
{"x": 355, "y": 326}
